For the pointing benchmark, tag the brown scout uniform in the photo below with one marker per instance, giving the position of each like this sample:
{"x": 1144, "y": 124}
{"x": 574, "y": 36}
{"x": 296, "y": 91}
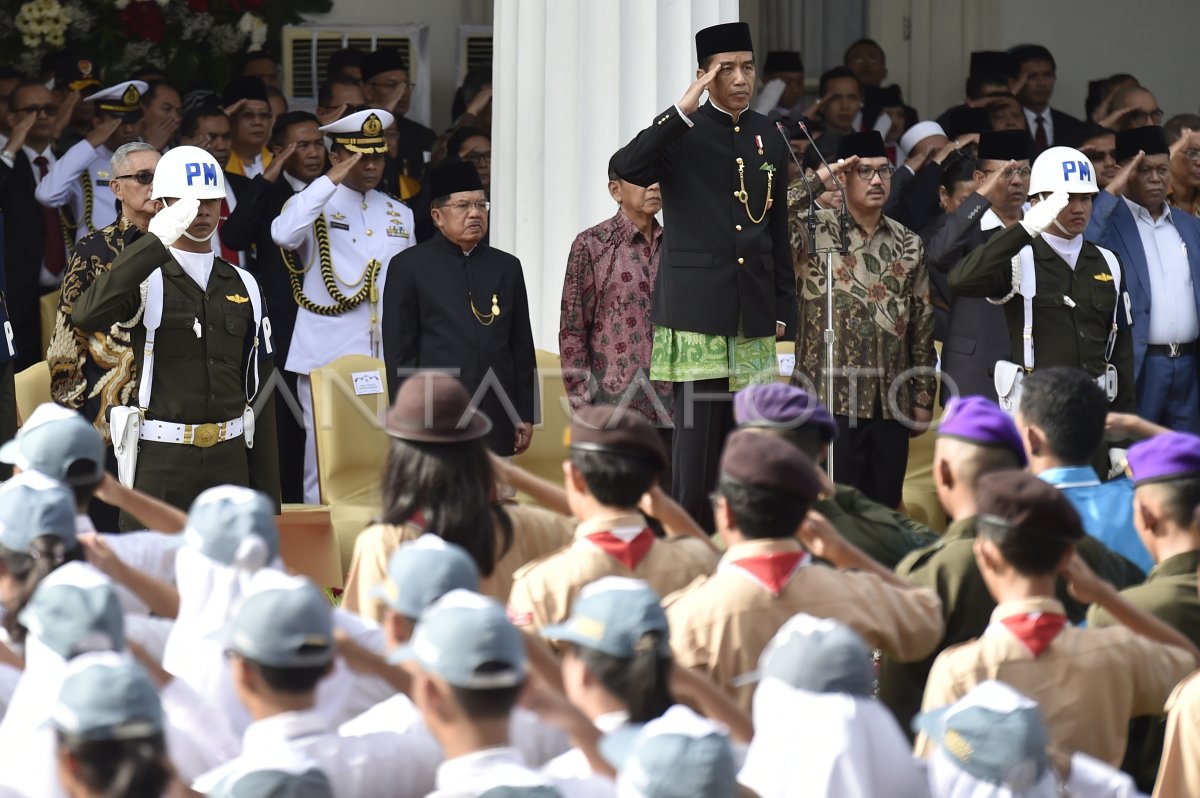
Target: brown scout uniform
{"x": 1088, "y": 683}
{"x": 1179, "y": 773}
{"x": 721, "y": 623}
{"x": 545, "y": 590}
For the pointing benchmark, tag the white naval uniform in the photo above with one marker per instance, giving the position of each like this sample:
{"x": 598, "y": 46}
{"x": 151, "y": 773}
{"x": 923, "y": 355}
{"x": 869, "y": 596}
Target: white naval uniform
{"x": 63, "y": 186}
{"x": 362, "y": 227}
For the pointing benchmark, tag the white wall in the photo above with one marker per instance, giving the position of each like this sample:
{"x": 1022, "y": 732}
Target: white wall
{"x": 1090, "y": 39}
{"x": 443, "y": 18}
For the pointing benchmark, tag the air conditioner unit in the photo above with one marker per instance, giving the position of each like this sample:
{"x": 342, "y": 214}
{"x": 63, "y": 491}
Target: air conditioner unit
{"x": 474, "y": 48}
{"x": 306, "y": 51}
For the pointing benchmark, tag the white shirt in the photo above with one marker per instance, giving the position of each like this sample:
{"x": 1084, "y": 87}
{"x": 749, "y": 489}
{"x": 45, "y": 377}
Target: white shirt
{"x": 253, "y": 169}
{"x": 383, "y": 765}
{"x": 197, "y": 265}
{"x": 1067, "y": 248}
{"x": 574, "y": 764}
{"x": 1031, "y": 118}
{"x": 362, "y": 228}
{"x": 1172, "y": 301}
{"x": 63, "y": 186}
{"x": 473, "y": 774}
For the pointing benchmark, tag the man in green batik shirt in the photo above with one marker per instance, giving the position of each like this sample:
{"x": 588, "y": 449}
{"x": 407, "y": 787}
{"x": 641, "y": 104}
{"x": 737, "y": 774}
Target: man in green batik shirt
{"x": 884, "y": 364}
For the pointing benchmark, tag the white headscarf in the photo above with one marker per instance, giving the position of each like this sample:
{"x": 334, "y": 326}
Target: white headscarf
{"x": 947, "y": 780}
{"x": 826, "y": 744}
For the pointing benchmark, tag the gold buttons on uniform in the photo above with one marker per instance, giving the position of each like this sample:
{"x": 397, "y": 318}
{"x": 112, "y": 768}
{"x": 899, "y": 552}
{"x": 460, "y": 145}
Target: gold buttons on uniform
{"x": 364, "y": 206}
{"x": 741, "y": 261}
{"x": 737, "y": 129}
{"x": 369, "y": 233}
{"x": 737, "y": 227}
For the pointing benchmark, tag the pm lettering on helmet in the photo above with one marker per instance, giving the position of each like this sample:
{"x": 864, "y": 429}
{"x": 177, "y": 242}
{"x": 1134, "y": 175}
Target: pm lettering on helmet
{"x": 1082, "y": 170}
{"x": 207, "y": 171}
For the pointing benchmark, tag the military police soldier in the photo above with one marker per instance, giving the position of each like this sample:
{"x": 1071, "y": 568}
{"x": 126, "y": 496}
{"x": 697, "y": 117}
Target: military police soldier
{"x": 1073, "y": 316}
{"x": 78, "y": 182}
{"x": 339, "y": 235}
{"x": 205, "y": 345}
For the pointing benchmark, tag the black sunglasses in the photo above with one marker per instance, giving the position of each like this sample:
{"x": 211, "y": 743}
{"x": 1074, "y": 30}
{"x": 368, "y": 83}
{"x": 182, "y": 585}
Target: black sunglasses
{"x": 144, "y": 177}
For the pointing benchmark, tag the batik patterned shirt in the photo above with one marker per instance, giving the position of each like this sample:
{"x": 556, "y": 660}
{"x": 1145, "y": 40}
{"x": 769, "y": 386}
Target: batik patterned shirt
{"x": 605, "y": 333}
{"x": 883, "y": 315}
{"x": 91, "y": 372}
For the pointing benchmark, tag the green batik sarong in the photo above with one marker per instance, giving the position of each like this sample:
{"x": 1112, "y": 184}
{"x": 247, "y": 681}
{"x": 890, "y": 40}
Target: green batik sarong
{"x": 682, "y": 356}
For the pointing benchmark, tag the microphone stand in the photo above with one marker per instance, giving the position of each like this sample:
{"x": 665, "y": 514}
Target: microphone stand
{"x": 844, "y": 249}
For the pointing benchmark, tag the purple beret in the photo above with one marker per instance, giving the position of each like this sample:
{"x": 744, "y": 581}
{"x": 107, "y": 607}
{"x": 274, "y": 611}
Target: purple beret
{"x": 765, "y": 461}
{"x": 981, "y": 421}
{"x": 1171, "y": 455}
{"x": 782, "y": 406}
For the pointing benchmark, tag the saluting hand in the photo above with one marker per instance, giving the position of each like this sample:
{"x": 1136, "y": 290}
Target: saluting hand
{"x": 103, "y": 130}
{"x": 691, "y": 98}
{"x": 19, "y": 131}
{"x": 995, "y": 186}
{"x": 1082, "y": 581}
{"x": 275, "y": 168}
{"x": 342, "y": 168}
{"x": 1120, "y": 180}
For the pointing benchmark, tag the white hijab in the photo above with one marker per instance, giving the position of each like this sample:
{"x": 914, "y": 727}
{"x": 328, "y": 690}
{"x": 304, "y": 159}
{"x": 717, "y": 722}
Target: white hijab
{"x": 826, "y": 744}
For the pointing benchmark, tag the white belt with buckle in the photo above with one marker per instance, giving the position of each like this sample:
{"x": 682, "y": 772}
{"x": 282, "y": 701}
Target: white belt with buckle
{"x": 202, "y": 435}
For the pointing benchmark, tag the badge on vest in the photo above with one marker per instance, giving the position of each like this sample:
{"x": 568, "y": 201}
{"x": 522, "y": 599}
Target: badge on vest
{"x": 237, "y": 299}
{"x": 1104, "y": 278}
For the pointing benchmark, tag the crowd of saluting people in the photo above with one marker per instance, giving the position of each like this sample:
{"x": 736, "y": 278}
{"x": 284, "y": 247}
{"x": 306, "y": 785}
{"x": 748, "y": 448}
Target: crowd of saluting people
{"x": 726, "y": 593}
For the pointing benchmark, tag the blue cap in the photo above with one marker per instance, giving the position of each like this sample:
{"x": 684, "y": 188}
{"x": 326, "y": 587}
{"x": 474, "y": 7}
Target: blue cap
{"x": 32, "y": 505}
{"x": 53, "y": 439}
{"x": 75, "y": 610}
{"x": 421, "y": 571}
{"x": 540, "y": 791}
{"x": 1171, "y": 455}
{"x": 234, "y": 526}
{"x": 275, "y": 784}
{"x": 460, "y": 633}
{"x": 284, "y": 622}
{"x": 611, "y": 615}
{"x": 977, "y": 420}
{"x": 107, "y": 696}
{"x": 779, "y": 406}
{"x": 816, "y": 654}
{"x": 993, "y": 733}
{"x": 678, "y": 755}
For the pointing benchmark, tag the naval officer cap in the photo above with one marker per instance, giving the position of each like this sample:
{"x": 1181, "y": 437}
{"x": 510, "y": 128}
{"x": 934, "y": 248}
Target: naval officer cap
{"x": 123, "y": 100}
{"x": 1004, "y": 145}
{"x": 1151, "y": 139}
{"x": 778, "y": 406}
{"x": 1165, "y": 457}
{"x": 56, "y": 441}
{"x": 616, "y": 431}
{"x": 980, "y": 421}
{"x": 75, "y": 74}
{"x": 865, "y": 144}
{"x": 770, "y": 463}
{"x": 361, "y": 131}
{"x": 107, "y": 696}
{"x": 728, "y": 37}
{"x": 453, "y": 177}
{"x": 421, "y": 571}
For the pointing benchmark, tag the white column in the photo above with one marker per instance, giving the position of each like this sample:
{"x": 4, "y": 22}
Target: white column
{"x": 574, "y": 81}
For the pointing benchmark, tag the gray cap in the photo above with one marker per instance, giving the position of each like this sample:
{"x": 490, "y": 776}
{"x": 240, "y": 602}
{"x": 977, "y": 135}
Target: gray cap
{"x": 276, "y": 784}
{"x": 421, "y": 571}
{"x": 284, "y": 622}
{"x": 51, "y": 440}
{"x": 75, "y": 610}
{"x": 459, "y": 634}
{"x": 234, "y": 526}
{"x": 678, "y": 755}
{"x": 993, "y": 733}
{"x": 107, "y": 696}
{"x": 611, "y": 615}
{"x": 816, "y": 654}
{"x": 540, "y": 791}
{"x": 32, "y": 505}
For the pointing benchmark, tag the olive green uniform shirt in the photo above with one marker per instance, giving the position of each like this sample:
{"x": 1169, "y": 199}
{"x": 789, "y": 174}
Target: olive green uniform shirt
{"x": 883, "y": 534}
{"x": 198, "y": 378}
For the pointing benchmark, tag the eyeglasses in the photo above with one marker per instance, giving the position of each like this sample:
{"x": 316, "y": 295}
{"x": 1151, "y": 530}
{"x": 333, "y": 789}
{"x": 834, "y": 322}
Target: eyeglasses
{"x": 483, "y": 206}
{"x": 1102, "y": 155}
{"x": 1155, "y": 116}
{"x": 478, "y": 157}
{"x": 143, "y": 178}
{"x": 48, "y": 110}
{"x": 1011, "y": 171}
{"x": 1163, "y": 171}
{"x": 868, "y": 172}
{"x": 1192, "y": 155}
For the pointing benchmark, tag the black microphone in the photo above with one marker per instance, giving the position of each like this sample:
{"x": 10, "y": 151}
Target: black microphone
{"x": 812, "y": 195}
{"x": 843, "y": 218}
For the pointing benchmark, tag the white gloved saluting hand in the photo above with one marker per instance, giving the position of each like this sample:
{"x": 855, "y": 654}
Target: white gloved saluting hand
{"x": 1043, "y": 214}
{"x": 170, "y": 223}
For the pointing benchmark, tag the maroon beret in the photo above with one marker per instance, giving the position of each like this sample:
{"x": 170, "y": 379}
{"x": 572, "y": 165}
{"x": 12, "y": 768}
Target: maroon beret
{"x": 616, "y": 430}
{"x": 770, "y": 463}
{"x": 1019, "y": 499}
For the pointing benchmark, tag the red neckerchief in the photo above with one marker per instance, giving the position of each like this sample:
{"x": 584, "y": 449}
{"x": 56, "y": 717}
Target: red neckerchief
{"x": 627, "y": 552}
{"x": 773, "y": 570}
{"x": 1035, "y": 629}
{"x": 417, "y": 518}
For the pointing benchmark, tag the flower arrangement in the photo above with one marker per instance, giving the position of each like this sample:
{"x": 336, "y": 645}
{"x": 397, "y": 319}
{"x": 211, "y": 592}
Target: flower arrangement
{"x": 193, "y": 41}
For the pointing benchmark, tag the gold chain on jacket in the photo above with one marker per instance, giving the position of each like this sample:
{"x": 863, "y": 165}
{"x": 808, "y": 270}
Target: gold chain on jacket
{"x": 70, "y": 227}
{"x": 744, "y": 198}
{"x": 341, "y": 302}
